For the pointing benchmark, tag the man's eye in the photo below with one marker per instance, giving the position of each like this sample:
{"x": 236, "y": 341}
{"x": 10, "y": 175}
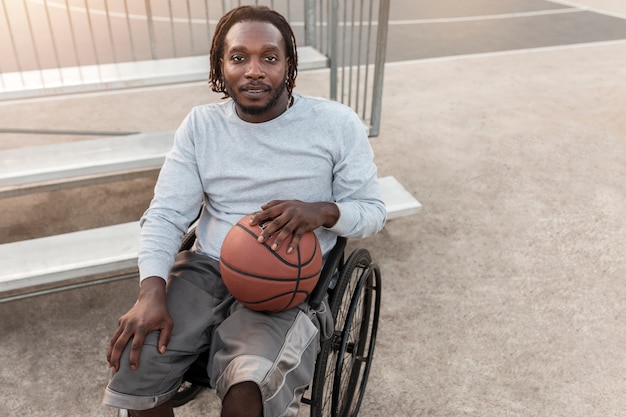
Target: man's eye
{"x": 237, "y": 58}
{"x": 271, "y": 58}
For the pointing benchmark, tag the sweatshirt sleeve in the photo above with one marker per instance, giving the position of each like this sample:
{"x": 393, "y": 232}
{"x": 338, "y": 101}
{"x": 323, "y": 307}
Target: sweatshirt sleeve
{"x": 177, "y": 199}
{"x": 355, "y": 184}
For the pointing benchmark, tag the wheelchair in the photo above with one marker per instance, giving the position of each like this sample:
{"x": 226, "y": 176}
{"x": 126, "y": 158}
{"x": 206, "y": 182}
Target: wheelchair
{"x": 343, "y": 363}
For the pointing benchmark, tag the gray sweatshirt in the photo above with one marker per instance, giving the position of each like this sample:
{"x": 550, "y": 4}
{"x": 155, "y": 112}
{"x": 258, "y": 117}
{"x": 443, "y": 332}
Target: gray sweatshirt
{"x": 317, "y": 150}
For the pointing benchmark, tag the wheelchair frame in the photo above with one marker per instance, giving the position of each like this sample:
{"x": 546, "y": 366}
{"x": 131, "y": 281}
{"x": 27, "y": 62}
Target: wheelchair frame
{"x": 342, "y": 367}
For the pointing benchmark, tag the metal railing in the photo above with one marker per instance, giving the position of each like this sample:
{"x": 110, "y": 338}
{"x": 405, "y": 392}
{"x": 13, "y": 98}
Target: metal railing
{"x": 60, "y": 46}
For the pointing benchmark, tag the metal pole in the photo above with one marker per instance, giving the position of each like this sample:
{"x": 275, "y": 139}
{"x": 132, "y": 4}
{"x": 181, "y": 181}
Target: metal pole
{"x": 351, "y": 54}
{"x": 15, "y": 54}
{"x": 344, "y": 46}
{"x": 53, "y": 40}
{"x": 208, "y": 23}
{"x": 334, "y": 28}
{"x": 379, "y": 66}
{"x": 153, "y": 50}
{"x": 93, "y": 39}
{"x": 110, "y": 28}
{"x": 76, "y": 55}
{"x": 32, "y": 38}
{"x": 367, "y": 52}
{"x": 191, "y": 43}
{"x": 169, "y": 5}
{"x": 309, "y": 22}
{"x": 359, "y": 61}
{"x": 130, "y": 32}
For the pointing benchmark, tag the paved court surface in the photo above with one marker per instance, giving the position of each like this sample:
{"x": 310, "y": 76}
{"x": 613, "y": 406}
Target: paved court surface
{"x": 503, "y": 297}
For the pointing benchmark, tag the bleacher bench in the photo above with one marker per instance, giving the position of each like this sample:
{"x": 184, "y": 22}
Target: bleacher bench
{"x": 40, "y": 265}
{"x": 81, "y": 163}
{"x": 66, "y": 80}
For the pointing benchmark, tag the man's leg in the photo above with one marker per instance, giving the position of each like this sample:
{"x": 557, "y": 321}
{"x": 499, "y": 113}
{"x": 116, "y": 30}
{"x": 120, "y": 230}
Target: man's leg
{"x": 243, "y": 400}
{"x": 197, "y": 300}
{"x": 265, "y": 359}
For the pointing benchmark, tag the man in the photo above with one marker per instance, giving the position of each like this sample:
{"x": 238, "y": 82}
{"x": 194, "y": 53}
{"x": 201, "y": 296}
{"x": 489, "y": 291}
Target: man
{"x": 300, "y": 164}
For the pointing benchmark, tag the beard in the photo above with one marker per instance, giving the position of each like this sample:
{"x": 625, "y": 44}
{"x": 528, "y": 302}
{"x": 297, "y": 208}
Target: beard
{"x": 260, "y": 109}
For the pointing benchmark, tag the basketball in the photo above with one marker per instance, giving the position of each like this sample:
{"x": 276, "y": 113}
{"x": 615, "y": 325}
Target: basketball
{"x": 268, "y": 280}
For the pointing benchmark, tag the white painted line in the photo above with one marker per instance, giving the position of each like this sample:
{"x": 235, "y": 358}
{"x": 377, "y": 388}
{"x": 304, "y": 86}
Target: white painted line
{"x": 587, "y": 8}
{"x": 504, "y": 53}
{"x": 483, "y": 17}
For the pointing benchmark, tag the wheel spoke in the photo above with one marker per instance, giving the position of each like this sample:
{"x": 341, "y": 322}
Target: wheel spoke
{"x": 345, "y": 360}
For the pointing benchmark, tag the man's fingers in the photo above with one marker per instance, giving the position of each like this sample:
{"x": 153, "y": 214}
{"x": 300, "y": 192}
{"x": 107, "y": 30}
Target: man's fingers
{"x": 290, "y": 237}
{"x": 116, "y": 347}
{"x": 135, "y": 350}
{"x": 271, "y": 204}
{"x": 269, "y": 211}
{"x": 164, "y": 337}
{"x": 112, "y": 342}
{"x": 295, "y": 241}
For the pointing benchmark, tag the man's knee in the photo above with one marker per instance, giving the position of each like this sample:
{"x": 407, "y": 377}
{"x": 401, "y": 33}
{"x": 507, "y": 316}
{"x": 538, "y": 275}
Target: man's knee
{"x": 243, "y": 400}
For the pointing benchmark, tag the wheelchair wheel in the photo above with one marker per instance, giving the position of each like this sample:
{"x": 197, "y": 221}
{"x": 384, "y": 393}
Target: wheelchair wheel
{"x": 188, "y": 240}
{"x": 186, "y": 392}
{"x": 345, "y": 359}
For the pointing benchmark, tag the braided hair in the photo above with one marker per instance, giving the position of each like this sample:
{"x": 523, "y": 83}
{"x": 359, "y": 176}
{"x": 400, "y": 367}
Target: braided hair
{"x": 254, "y": 14}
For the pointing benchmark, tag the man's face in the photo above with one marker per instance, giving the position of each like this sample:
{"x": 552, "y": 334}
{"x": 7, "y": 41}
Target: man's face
{"x": 254, "y": 66}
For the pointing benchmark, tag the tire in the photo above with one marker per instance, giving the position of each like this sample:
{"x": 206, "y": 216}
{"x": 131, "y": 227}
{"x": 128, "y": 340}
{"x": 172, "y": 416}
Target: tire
{"x": 186, "y": 393}
{"x": 345, "y": 359}
{"x": 188, "y": 240}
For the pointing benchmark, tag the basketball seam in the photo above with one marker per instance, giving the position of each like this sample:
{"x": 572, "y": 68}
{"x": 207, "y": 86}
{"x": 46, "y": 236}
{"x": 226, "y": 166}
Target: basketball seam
{"x": 274, "y": 253}
{"x": 293, "y": 294}
{"x": 262, "y": 277}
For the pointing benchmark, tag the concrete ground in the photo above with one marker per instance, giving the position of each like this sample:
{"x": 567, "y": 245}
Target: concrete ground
{"x": 503, "y": 297}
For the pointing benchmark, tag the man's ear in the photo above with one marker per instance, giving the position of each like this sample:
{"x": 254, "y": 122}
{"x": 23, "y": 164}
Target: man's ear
{"x": 288, "y": 63}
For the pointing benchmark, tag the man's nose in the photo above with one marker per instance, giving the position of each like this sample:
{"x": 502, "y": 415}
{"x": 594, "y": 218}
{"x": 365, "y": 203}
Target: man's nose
{"x": 255, "y": 69}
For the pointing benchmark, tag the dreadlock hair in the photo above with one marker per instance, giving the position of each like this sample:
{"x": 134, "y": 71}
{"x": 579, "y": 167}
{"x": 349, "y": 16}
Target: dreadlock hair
{"x": 253, "y": 14}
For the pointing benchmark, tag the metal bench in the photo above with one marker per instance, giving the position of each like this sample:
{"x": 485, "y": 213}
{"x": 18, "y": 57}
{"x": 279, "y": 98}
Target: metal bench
{"x": 86, "y": 162}
{"x": 71, "y": 260}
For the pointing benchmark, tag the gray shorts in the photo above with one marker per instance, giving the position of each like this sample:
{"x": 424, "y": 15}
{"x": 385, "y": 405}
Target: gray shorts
{"x": 276, "y": 351}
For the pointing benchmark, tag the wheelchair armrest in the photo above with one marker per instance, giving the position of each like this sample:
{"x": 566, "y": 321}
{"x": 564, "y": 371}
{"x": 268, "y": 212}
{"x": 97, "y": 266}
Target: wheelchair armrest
{"x": 331, "y": 264}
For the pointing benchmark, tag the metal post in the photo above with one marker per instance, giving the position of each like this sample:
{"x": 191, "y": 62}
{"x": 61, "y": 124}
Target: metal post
{"x": 93, "y": 39}
{"x": 367, "y": 52}
{"x": 34, "y": 43}
{"x": 53, "y": 40}
{"x": 379, "y": 66}
{"x": 76, "y": 55}
{"x": 13, "y": 46}
{"x": 130, "y": 31}
{"x": 334, "y": 28}
{"x": 172, "y": 29}
{"x": 208, "y": 22}
{"x": 309, "y": 22}
{"x": 189, "y": 23}
{"x": 153, "y": 49}
{"x": 110, "y": 28}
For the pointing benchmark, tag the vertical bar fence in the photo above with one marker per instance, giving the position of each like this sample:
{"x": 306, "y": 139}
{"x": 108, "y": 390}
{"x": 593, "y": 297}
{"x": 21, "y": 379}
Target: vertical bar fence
{"x": 50, "y": 46}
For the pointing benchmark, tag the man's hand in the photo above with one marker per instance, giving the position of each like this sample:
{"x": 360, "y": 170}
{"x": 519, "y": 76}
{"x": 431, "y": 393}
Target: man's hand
{"x": 291, "y": 219}
{"x": 148, "y": 314}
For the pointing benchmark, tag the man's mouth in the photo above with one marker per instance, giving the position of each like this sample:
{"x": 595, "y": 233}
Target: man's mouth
{"x": 255, "y": 89}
